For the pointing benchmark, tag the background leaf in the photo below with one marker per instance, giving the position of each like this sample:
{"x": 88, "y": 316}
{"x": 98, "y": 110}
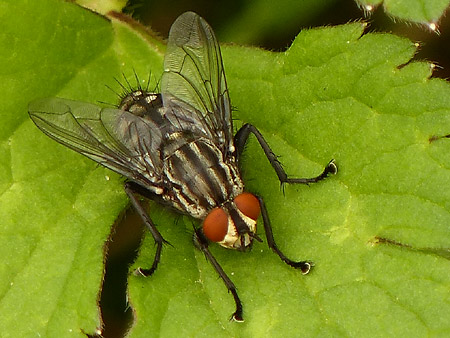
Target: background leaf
{"x": 275, "y": 24}
{"x": 333, "y": 94}
{"x": 416, "y": 11}
{"x": 103, "y": 6}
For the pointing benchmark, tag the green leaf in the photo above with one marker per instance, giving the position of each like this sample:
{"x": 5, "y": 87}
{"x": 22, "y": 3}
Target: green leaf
{"x": 103, "y": 6}
{"x": 425, "y": 12}
{"x": 333, "y": 94}
{"x": 56, "y": 207}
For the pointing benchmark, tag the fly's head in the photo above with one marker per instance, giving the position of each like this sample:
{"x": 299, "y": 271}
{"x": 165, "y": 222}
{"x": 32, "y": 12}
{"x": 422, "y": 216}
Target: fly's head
{"x": 233, "y": 225}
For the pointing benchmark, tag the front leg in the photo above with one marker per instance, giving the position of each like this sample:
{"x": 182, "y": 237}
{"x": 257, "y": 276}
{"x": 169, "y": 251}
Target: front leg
{"x": 304, "y": 266}
{"x": 202, "y": 244}
{"x": 241, "y": 138}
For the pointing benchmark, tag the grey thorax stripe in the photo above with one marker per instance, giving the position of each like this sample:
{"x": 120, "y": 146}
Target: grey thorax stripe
{"x": 198, "y": 169}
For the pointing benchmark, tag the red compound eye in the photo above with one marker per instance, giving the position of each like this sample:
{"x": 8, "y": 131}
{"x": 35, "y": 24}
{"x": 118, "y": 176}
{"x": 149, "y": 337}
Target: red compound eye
{"x": 215, "y": 226}
{"x": 248, "y": 204}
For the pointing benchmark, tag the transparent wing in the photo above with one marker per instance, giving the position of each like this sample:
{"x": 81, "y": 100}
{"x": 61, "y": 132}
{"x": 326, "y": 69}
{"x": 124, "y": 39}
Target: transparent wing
{"x": 193, "y": 85}
{"x": 114, "y": 138}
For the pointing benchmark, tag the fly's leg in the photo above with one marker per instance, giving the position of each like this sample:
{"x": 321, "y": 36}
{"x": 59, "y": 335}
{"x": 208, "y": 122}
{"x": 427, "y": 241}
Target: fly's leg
{"x": 304, "y": 266}
{"x": 202, "y": 244}
{"x": 241, "y": 138}
{"x": 131, "y": 191}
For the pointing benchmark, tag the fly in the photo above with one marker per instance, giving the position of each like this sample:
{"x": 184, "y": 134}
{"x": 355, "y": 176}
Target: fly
{"x": 177, "y": 147}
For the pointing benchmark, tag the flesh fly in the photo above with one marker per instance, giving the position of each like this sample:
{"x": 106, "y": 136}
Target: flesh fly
{"x": 177, "y": 147}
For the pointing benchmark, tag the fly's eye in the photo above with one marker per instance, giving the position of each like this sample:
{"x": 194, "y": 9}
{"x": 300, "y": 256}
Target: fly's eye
{"x": 215, "y": 226}
{"x": 248, "y": 204}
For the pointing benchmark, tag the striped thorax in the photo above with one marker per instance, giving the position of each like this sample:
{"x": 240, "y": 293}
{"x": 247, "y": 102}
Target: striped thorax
{"x": 198, "y": 178}
{"x": 199, "y": 181}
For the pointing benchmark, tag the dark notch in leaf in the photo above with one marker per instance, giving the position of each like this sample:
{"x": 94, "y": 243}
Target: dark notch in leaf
{"x": 442, "y": 252}
{"x": 436, "y": 137}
